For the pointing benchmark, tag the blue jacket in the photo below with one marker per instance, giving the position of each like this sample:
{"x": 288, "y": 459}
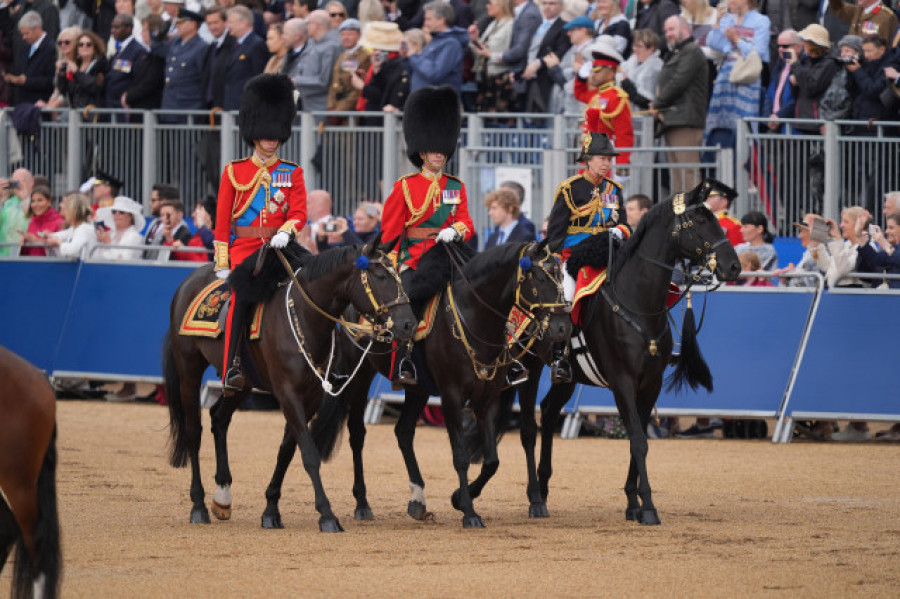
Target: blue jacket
{"x": 440, "y": 62}
{"x": 121, "y": 72}
{"x": 184, "y": 68}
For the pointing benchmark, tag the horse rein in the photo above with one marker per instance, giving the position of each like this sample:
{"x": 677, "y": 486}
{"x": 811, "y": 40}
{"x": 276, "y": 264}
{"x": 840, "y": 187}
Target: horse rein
{"x": 684, "y": 224}
{"x": 487, "y": 371}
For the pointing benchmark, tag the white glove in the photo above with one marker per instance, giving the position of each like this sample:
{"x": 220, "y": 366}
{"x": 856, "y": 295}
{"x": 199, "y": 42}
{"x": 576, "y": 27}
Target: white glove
{"x": 223, "y": 273}
{"x": 448, "y": 235}
{"x": 617, "y": 233}
{"x": 280, "y": 240}
{"x": 585, "y": 71}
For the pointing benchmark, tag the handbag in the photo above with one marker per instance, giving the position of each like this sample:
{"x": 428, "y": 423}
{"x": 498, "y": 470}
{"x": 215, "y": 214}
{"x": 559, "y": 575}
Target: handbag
{"x": 746, "y": 69}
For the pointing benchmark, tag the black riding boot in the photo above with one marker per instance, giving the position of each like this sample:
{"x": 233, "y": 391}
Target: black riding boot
{"x": 234, "y": 379}
{"x": 560, "y": 369}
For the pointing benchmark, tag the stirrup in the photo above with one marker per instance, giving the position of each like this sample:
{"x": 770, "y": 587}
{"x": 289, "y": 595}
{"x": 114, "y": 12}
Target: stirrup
{"x": 234, "y": 380}
{"x": 406, "y": 373}
{"x": 560, "y": 371}
{"x": 516, "y": 374}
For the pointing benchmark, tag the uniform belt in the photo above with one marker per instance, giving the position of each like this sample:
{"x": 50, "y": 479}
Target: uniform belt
{"x": 255, "y": 231}
{"x": 591, "y": 230}
{"x": 422, "y": 232}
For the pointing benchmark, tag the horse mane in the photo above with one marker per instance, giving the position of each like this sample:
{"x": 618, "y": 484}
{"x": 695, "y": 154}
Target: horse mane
{"x": 492, "y": 259}
{"x": 322, "y": 264}
{"x": 653, "y": 216}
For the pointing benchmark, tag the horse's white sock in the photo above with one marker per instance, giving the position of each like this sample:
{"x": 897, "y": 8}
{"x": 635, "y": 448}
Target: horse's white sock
{"x": 418, "y": 493}
{"x": 222, "y": 496}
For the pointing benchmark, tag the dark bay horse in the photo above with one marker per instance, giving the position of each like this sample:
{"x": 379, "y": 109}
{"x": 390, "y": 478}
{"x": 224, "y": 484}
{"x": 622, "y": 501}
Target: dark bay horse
{"x": 466, "y": 354}
{"x": 292, "y": 359}
{"x": 28, "y": 512}
{"x": 626, "y": 341}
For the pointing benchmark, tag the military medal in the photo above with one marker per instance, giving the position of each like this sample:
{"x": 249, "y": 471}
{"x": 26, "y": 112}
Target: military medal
{"x": 451, "y": 196}
{"x": 609, "y": 200}
{"x": 279, "y": 196}
{"x": 282, "y": 179}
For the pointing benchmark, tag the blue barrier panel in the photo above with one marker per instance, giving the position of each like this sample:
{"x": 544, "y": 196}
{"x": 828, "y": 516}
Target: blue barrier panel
{"x": 750, "y": 339}
{"x": 852, "y": 361}
{"x": 34, "y": 303}
{"x": 118, "y": 318}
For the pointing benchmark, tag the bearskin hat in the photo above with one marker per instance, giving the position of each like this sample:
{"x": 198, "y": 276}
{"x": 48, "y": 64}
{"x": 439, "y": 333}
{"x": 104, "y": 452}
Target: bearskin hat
{"x": 431, "y": 122}
{"x": 267, "y": 109}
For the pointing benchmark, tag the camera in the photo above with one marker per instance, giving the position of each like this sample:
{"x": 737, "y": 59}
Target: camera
{"x": 14, "y": 185}
{"x": 330, "y": 227}
{"x": 849, "y": 59}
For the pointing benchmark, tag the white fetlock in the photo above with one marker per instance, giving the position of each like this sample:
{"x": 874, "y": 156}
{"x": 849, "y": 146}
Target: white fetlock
{"x": 418, "y": 493}
{"x": 38, "y": 586}
{"x": 221, "y": 504}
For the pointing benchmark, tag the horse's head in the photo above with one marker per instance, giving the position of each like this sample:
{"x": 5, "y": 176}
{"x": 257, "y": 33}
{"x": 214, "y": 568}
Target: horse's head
{"x": 699, "y": 237}
{"x": 539, "y": 291}
{"x": 379, "y": 296}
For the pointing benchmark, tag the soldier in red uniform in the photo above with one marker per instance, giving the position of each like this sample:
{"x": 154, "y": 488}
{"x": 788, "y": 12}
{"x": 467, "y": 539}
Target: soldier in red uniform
{"x": 262, "y": 200}
{"x": 599, "y": 91}
{"x": 427, "y": 207}
{"x": 718, "y": 200}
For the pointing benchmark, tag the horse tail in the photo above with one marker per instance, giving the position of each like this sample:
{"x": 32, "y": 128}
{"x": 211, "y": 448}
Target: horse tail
{"x": 326, "y": 427}
{"x": 48, "y": 555}
{"x": 178, "y": 449}
{"x": 472, "y": 432}
{"x": 690, "y": 366}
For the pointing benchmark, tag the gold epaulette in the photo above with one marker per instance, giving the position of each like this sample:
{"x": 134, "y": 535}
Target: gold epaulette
{"x": 289, "y": 162}
{"x": 565, "y": 184}
{"x": 238, "y": 160}
{"x": 454, "y": 177}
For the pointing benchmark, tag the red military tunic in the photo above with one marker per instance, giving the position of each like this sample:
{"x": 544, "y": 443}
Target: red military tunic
{"x": 256, "y": 201}
{"x": 731, "y": 226}
{"x": 613, "y": 117}
{"x": 419, "y": 206}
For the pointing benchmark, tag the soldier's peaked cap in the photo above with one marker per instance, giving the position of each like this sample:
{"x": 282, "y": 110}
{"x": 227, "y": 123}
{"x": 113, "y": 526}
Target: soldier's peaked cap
{"x": 431, "y": 122}
{"x": 267, "y": 108}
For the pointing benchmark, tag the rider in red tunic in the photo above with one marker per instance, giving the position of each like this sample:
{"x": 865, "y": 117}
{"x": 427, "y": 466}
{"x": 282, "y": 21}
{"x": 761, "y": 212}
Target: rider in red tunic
{"x": 427, "y": 207}
{"x": 262, "y": 199}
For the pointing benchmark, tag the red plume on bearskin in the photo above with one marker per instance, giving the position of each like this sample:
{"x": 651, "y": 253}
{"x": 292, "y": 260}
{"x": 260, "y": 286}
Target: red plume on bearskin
{"x": 592, "y": 120}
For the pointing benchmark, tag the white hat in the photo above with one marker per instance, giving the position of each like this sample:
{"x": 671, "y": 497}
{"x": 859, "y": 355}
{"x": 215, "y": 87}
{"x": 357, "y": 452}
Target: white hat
{"x": 123, "y": 204}
{"x": 605, "y": 44}
{"x": 382, "y": 35}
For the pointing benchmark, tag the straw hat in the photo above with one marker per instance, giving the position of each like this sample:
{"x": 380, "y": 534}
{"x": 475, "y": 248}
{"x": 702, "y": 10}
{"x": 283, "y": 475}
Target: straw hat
{"x": 816, "y": 34}
{"x": 122, "y": 204}
{"x": 382, "y": 35}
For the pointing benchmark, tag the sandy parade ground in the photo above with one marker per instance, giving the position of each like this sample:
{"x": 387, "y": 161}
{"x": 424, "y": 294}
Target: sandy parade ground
{"x": 743, "y": 518}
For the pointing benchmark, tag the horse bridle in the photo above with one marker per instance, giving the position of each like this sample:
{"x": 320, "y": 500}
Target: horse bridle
{"x": 684, "y": 224}
{"x": 487, "y": 371}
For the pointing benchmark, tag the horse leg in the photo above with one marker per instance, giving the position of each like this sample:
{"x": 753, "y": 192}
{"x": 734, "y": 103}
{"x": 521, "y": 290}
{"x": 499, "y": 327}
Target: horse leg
{"x": 8, "y": 532}
{"x": 220, "y": 415}
{"x": 357, "y": 429}
{"x": 551, "y": 407}
{"x": 633, "y": 510}
{"x": 491, "y": 461}
{"x": 193, "y": 429}
{"x": 636, "y": 424}
{"x": 271, "y": 517}
{"x": 451, "y": 404}
{"x": 405, "y": 431}
{"x": 537, "y": 506}
{"x": 296, "y": 417}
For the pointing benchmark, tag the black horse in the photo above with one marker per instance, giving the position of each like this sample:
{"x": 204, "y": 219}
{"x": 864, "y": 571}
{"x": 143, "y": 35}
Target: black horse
{"x": 292, "y": 359}
{"x": 467, "y": 355}
{"x": 625, "y": 341}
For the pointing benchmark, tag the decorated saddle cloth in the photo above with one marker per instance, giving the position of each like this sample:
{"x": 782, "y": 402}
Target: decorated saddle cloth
{"x": 205, "y": 316}
{"x": 591, "y": 278}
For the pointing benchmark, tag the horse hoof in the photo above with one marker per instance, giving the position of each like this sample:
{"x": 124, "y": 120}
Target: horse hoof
{"x": 272, "y": 521}
{"x": 200, "y": 515}
{"x": 633, "y": 514}
{"x": 416, "y": 510}
{"x": 538, "y": 510}
{"x": 364, "y": 513}
{"x": 473, "y": 522}
{"x": 221, "y": 512}
{"x": 330, "y": 524}
{"x": 649, "y": 517}
{"x": 454, "y": 500}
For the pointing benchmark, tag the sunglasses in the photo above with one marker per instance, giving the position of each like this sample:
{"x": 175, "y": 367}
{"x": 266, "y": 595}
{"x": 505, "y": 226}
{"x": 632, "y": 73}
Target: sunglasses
{"x": 64, "y": 43}
{"x": 335, "y": 15}
{"x": 784, "y": 46}
{"x": 85, "y": 44}
{"x": 119, "y": 212}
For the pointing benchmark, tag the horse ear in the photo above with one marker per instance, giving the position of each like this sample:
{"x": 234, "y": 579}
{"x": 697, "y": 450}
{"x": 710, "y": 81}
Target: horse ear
{"x": 541, "y": 245}
{"x": 388, "y": 246}
{"x": 374, "y": 246}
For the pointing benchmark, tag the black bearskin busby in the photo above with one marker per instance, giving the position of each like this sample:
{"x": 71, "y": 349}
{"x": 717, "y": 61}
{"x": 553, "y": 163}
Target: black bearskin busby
{"x": 267, "y": 108}
{"x": 431, "y": 122}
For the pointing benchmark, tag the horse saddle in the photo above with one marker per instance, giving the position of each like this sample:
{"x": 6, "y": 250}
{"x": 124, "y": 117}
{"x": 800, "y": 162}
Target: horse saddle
{"x": 206, "y": 314}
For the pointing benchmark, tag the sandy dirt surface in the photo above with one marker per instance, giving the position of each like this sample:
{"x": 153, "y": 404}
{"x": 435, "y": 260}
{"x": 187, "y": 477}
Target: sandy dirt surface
{"x": 741, "y": 518}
